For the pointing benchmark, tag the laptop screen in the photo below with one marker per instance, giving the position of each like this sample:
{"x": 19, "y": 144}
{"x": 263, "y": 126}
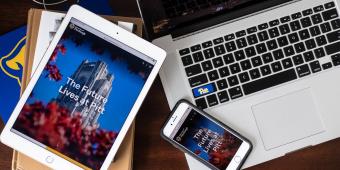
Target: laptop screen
{"x": 167, "y": 16}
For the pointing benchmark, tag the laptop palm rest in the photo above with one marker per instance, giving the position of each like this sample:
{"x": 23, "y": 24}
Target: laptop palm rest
{"x": 288, "y": 118}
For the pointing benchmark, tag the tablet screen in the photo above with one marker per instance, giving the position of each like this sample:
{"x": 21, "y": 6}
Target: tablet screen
{"x": 83, "y": 96}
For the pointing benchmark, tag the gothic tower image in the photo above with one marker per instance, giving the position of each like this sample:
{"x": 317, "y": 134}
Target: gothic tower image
{"x": 95, "y": 76}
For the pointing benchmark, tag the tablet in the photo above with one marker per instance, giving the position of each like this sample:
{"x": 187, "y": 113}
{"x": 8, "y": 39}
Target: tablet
{"x": 84, "y": 94}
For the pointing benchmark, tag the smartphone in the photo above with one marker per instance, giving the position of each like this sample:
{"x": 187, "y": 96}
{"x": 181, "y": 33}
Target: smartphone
{"x": 208, "y": 140}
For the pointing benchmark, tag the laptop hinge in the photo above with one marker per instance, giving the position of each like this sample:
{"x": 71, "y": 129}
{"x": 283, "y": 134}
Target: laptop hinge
{"x": 179, "y": 37}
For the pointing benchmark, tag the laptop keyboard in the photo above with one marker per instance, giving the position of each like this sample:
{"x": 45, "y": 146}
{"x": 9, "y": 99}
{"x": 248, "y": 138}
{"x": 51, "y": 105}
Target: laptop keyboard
{"x": 263, "y": 56}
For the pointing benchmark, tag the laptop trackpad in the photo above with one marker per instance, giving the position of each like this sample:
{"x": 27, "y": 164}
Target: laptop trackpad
{"x": 287, "y": 119}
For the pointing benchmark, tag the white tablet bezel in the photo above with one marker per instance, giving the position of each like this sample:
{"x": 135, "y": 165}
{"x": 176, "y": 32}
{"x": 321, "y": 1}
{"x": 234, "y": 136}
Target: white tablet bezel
{"x": 48, "y": 158}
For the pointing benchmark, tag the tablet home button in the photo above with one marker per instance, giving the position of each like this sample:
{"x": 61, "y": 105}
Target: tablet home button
{"x": 49, "y": 159}
{"x": 237, "y": 159}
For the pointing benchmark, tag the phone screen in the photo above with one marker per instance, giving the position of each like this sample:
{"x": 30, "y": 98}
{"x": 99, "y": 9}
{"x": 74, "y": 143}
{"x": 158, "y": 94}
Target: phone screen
{"x": 206, "y": 139}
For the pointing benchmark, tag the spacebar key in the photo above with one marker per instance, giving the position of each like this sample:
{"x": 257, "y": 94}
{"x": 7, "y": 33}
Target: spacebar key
{"x": 269, "y": 81}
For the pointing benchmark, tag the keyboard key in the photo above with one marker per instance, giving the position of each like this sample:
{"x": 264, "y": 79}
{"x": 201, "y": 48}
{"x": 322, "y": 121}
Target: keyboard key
{"x": 327, "y": 65}
{"x": 321, "y": 40}
{"x": 287, "y": 63}
{"x": 274, "y": 23}
{"x": 244, "y": 77}
{"x": 269, "y": 81}
{"x": 207, "y": 44}
{"x": 263, "y": 26}
{"x": 207, "y": 65}
{"x": 187, "y": 60}
{"x": 219, "y": 50}
{"x": 330, "y": 14}
{"x": 222, "y": 84}
{"x": 201, "y": 103}
{"x": 255, "y": 73}
{"x": 304, "y": 34}
{"x": 224, "y": 71}
{"x": 213, "y": 75}
{"x": 278, "y": 54}
{"x": 256, "y": 61}
{"x": 335, "y": 24}
{"x": 235, "y": 68}
{"x": 193, "y": 70}
{"x": 235, "y": 92}
{"x": 228, "y": 59}
{"x": 184, "y": 51}
{"x": 230, "y": 46}
{"x": 198, "y": 80}
{"x": 319, "y": 52}
{"x": 306, "y": 22}
{"x": 209, "y": 53}
{"x": 336, "y": 59}
{"x": 282, "y": 41}
{"x": 307, "y": 12}
{"x": 309, "y": 56}
{"x": 315, "y": 66}
{"x": 265, "y": 70}
{"x": 233, "y": 81}
{"x": 240, "y": 33}
{"x": 315, "y": 31}
{"x": 298, "y": 59}
{"x": 293, "y": 37}
{"x": 284, "y": 29}
{"x": 263, "y": 36}
{"x": 204, "y": 90}
{"x": 250, "y": 51}
{"x": 303, "y": 70}
{"x": 289, "y": 51}
{"x": 295, "y": 25}
{"x": 195, "y": 48}
{"x": 223, "y": 96}
{"x": 229, "y": 37}
{"x": 217, "y": 62}
{"x": 299, "y": 47}
{"x": 325, "y": 27}
{"x": 198, "y": 56}
{"x": 251, "y": 30}
{"x": 333, "y": 36}
{"x": 218, "y": 40}
{"x": 310, "y": 44}
{"x": 267, "y": 58}
{"x": 252, "y": 39}
{"x": 285, "y": 19}
{"x": 241, "y": 42}
{"x": 271, "y": 44}
{"x": 239, "y": 55}
{"x": 273, "y": 32}
{"x": 296, "y": 15}
{"x": 329, "y": 5}
{"x": 261, "y": 48}
{"x": 316, "y": 19}
{"x": 276, "y": 66}
{"x": 245, "y": 65}
{"x": 332, "y": 48}
{"x": 318, "y": 8}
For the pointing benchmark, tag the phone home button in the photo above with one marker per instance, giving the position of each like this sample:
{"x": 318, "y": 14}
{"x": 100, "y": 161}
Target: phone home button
{"x": 49, "y": 159}
{"x": 237, "y": 159}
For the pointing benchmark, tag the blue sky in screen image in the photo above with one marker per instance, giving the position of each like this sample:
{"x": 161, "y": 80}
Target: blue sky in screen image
{"x": 126, "y": 86}
{"x": 201, "y": 122}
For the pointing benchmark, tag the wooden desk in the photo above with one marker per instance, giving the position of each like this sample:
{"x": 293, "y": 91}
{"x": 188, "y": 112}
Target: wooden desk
{"x": 151, "y": 152}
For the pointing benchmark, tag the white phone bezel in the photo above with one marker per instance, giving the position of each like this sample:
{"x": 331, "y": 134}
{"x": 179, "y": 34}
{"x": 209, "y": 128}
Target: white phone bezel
{"x": 178, "y": 117}
{"x": 48, "y": 158}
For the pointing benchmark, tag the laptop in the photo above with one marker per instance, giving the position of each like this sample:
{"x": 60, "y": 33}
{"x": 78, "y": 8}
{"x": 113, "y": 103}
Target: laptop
{"x": 267, "y": 68}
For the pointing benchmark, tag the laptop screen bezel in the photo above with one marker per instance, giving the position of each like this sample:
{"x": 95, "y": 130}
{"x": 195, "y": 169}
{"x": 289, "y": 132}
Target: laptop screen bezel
{"x": 189, "y": 28}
